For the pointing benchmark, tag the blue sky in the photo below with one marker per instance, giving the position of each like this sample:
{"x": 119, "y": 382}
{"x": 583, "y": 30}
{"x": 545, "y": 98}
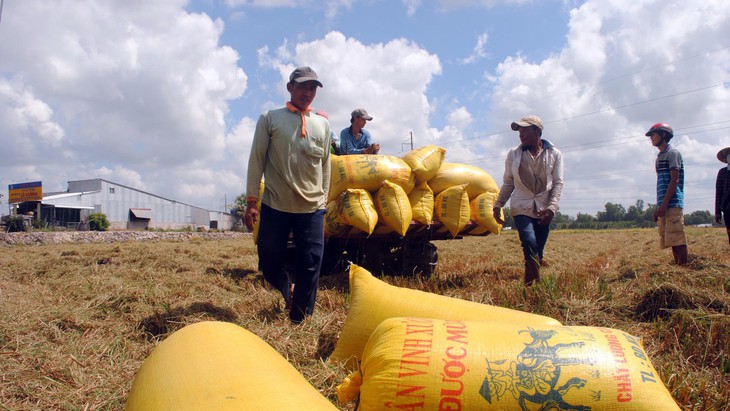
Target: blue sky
{"x": 163, "y": 96}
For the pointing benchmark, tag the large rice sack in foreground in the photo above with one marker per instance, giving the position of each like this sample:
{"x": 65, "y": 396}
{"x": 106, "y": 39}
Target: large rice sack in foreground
{"x": 220, "y": 366}
{"x": 368, "y": 171}
{"x": 393, "y": 207}
{"x": 451, "y": 174}
{"x": 428, "y": 364}
{"x": 451, "y": 207}
{"x": 372, "y": 301}
{"x": 483, "y": 215}
{"x": 354, "y": 208}
{"x": 425, "y": 161}
{"x": 422, "y": 203}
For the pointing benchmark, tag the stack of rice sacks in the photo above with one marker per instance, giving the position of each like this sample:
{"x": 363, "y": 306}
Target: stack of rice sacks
{"x": 382, "y": 194}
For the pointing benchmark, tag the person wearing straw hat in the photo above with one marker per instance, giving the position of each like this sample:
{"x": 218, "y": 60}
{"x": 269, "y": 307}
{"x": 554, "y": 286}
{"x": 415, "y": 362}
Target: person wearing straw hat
{"x": 291, "y": 149}
{"x": 722, "y": 191}
{"x": 670, "y": 192}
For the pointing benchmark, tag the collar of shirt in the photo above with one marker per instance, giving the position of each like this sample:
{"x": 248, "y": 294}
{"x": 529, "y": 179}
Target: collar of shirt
{"x": 291, "y": 107}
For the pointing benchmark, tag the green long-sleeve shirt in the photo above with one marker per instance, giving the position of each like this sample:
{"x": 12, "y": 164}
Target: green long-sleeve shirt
{"x": 296, "y": 169}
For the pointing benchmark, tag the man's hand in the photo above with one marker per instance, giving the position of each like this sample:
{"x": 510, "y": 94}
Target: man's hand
{"x": 545, "y": 216}
{"x": 373, "y": 149}
{"x": 718, "y": 218}
{"x": 252, "y": 214}
{"x": 497, "y": 213}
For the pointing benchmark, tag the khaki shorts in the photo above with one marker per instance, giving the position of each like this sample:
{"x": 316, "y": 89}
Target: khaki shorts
{"x": 671, "y": 229}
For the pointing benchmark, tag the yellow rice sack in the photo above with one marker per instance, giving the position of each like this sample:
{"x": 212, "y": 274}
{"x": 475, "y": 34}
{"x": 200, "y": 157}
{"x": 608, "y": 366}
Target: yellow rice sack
{"x": 368, "y": 171}
{"x": 482, "y": 214}
{"x": 432, "y": 364}
{"x": 452, "y": 208}
{"x": 422, "y": 203}
{"x": 220, "y": 366}
{"x": 334, "y": 224}
{"x": 425, "y": 161}
{"x": 372, "y": 301}
{"x": 356, "y": 209}
{"x": 393, "y": 207}
{"x": 451, "y": 174}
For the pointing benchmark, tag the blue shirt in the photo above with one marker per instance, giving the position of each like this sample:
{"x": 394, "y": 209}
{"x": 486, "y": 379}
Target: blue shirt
{"x": 667, "y": 160}
{"x": 350, "y": 145}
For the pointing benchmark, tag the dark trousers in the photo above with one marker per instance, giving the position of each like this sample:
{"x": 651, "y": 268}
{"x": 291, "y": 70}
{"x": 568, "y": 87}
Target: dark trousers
{"x": 307, "y": 231}
{"x": 533, "y": 237}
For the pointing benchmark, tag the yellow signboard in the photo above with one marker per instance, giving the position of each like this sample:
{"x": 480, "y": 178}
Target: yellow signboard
{"x": 19, "y": 193}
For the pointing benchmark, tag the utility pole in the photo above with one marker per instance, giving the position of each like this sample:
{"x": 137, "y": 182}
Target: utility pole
{"x": 410, "y": 140}
{"x": 1, "y": 9}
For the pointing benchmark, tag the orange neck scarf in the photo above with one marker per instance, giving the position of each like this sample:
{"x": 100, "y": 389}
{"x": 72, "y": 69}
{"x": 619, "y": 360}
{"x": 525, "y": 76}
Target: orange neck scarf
{"x": 293, "y": 109}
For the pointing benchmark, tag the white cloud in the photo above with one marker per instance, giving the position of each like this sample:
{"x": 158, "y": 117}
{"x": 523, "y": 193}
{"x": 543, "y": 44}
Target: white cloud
{"x": 626, "y": 65}
{"x": 138, "y": 92}
{"x": 126, "y": 87}
{"x": 389, "y": 80}
{"x": 478, "y": 52}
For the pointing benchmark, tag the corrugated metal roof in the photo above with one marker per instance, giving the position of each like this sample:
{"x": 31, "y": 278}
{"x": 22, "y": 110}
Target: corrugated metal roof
{"x": 66, "y": 195}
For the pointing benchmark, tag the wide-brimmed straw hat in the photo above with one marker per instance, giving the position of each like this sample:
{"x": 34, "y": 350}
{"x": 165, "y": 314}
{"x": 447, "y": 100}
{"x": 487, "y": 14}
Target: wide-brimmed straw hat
{"x": 722, "y": 154}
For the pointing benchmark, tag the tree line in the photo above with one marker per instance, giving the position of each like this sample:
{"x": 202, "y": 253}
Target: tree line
{"x": 639, "y": 215}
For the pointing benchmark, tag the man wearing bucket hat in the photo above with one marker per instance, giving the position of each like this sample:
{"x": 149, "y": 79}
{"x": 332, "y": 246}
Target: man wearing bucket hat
{"x": 722, "y": 191}
{"x": 670, "y": 192}
{"x": 533, "y": 178}
{"x": 355, "y": 139}
{"x": 291, "y": 149}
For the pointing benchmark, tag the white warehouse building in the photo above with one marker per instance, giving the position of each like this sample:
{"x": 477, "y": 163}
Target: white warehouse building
{"x": 124, "y": 207}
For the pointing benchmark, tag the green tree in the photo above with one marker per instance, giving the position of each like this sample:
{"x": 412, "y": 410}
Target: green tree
{"x": 635, "y": 212}
{"x": 98, "y": 222}
{"x": 15, "y": 223}
{"x": 614, "y": 212}
{"x": 561, "y": 220}
{"x": 649, "y": 214}
{"x": 239, "y": 206}
{"x": 698, "y": 217}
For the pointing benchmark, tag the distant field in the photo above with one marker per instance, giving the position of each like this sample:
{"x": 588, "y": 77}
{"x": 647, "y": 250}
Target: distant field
{"x": 78, "y": 319}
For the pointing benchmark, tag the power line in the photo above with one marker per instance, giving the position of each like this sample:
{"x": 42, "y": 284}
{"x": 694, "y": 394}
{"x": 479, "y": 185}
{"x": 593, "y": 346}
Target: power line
{"x": 650, "y": 68}
{"x": 592, "y": 145}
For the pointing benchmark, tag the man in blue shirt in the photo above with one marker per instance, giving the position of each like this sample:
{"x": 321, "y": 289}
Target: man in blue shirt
{"x": 355, "y": 139}
{"x": 670, "y": 192}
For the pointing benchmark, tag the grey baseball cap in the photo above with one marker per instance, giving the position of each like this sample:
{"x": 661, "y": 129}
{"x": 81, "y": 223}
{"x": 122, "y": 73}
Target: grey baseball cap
{"x": 302, "y": 74}
{"x": 360, "y": 112}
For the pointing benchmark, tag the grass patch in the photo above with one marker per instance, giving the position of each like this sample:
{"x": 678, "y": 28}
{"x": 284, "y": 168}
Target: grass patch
{"x": 78, "y": 319}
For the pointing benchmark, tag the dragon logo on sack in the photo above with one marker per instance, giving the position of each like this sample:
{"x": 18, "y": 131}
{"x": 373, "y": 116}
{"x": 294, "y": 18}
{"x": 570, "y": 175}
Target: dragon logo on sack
{"x": 533, "y": 378}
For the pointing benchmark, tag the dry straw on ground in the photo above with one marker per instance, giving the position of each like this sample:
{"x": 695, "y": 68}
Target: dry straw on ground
{"x": 77, "y": 319}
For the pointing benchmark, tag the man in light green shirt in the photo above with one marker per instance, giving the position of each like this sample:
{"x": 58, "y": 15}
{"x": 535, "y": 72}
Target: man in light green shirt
{"x": 291, "y": 149}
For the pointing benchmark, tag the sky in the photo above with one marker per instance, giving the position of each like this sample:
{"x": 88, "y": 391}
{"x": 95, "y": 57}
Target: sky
{"x": 163, "y": 96}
